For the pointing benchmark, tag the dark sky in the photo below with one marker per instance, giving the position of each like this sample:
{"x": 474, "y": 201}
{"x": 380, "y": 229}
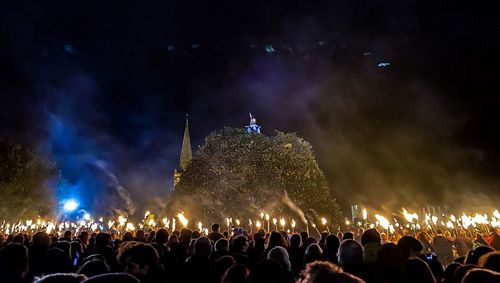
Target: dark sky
{"x": 111, "y": 81}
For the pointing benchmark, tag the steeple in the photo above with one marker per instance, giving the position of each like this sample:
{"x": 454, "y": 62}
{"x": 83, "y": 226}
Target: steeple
{"x": 186, "y": 152}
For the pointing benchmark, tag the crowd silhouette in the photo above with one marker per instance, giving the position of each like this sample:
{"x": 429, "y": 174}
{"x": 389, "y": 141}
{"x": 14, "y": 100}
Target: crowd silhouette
{"x": 240, "y": 257}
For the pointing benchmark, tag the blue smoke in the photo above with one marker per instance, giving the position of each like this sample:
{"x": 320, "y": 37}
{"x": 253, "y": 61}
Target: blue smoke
{"x": 85, "y": 174}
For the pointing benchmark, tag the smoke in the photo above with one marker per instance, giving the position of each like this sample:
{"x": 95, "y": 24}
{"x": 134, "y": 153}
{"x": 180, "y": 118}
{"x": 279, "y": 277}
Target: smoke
{"x": 385, "y": 137}
{"x": 288, "y": 202}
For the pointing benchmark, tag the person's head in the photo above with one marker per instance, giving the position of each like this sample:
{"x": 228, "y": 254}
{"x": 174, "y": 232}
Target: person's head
{"x": 56, "y": 261}
{"x": 196, "y": 234}
{"x": 215, "y": 227}
{"x": 223, "y": 263}
{"x": 240, "y": 244}
{"x": 61, "y": 278}
{"x": 350, "y": 253}
{"x": 140, "y": 236}
{"x": 13, "y": 262}
{"x": 103, "y": 239}
{"x": 202, "y": 247}
{"x": 237, "y": 273}
{"x": 113, "y": 278}
{"x": 280, "y": 255}
{"x": 416, "y": 270}
{"x": 93, "y": 268}
{"x": 313, "y": 252}
{"x": 41, "y": 239}
{"x": 161, "y": 236}
{"x": 325, "y": 272}
{"x": 450, "y": 271}
{"x": 460, "y": 272}
{"x": 68, "y": 234}
{"x": 84, "y": 237}
{"x": 490, "y": 261}
{"x": 474, "y": 255}
{"x": 332, "y": 243}
{"x": 128, "y": 236}
{"x": 186, "y": 236}
{"x": 304, "y": 235}
{"x": 348, "y": 236}
{"x": 295, "y": 241}
{"x": 480, "y": 275}
{"x": 276, "y": 239}
{"x": 370, "y": 236}
{"x": 409, "y": 247}
{"x": 222, "y": 245}
{"x": 139, "y": 260}
{"x": 259, "y": 243}
{"x": 19, "y": 238}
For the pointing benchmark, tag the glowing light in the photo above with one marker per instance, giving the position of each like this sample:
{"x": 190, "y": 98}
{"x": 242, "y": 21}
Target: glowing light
{"x": 409, "y": 216}
{"x": 267, "y": 217}
{"x": 50, "y": 228}
{"x": 86, "y": 216}
{"x": 382, "y": 221}
{"x": 110, "y": 224}
{"x": 282, "y": 223}
{"x": 275, "y": 221}
{"x": 323, "y": 221}
{"x": 182, "y": 219}
{"x": 147, "y": 214}
{"x": 434, "y": 219}
{"x": 70, "y": 205}
{"x": 166, "y": 222}
{"x": 262, "y": 215}
{"x": 130, "y": 227}
{"x": 257, "y": 224}
{"x": 237, "y": 222}
{"x": 293, "y": 223}
{"x": 496, "y": 214}
{"x": 152, "y": 222}
{"x": 364, "y": 213}
{"x": 122, "y": 220}
{"x": 200, "y": 226}
{"x": 450, "y": 225}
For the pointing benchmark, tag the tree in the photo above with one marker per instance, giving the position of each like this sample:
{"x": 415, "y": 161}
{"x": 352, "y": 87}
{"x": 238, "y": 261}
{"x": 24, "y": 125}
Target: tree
{"x": 24, "y": 175}
{"x": 236, "y": 174}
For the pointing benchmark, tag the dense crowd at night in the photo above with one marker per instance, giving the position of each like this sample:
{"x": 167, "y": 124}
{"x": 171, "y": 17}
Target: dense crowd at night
{"x": 184, "y": 255}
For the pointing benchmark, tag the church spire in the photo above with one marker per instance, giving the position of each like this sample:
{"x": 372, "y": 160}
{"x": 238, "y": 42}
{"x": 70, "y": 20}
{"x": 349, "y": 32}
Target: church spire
{"x": 186, "y": 152}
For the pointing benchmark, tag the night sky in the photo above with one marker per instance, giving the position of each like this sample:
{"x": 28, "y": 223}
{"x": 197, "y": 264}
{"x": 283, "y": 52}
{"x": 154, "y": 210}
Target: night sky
{"x": 110, "y": 82}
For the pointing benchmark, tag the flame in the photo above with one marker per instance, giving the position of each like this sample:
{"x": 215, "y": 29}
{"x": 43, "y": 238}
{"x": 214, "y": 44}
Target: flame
{"x": 364, "y": 213}
{"x": 409, "y": 216}
{"x": 182, "y": 219}
{"x": 323, "y": 221}
{"x": 382, "y": 221}
{"x": 257, "y": 224}
{"x": 282, "y": 222}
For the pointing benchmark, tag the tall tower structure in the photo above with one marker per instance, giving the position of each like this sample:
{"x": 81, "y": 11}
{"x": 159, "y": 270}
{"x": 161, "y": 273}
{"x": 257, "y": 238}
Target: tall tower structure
{"x": 186, "y": 154}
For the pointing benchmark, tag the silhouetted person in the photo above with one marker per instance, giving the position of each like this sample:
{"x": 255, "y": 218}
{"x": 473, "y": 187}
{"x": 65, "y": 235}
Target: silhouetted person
{"x": 443, "y": 248}
{"x": 215, "y": 234}
{"x": 141, "y": 261}
{"x": 237, "y": 273}
{"x": 332, "y": 244}
{"x": 14, "y": 263}
{"x": 416, "y": 270}
{"x": 326, "y": 272}
{"x": 198, "y": 267}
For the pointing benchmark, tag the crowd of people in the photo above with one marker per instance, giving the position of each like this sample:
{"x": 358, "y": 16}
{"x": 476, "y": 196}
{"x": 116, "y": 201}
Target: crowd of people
{"x": 240, "y": 257}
